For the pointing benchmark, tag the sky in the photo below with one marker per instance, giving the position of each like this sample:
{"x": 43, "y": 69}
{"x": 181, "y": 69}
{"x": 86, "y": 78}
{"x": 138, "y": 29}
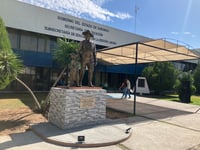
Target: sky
{"x": 176, "y": 20}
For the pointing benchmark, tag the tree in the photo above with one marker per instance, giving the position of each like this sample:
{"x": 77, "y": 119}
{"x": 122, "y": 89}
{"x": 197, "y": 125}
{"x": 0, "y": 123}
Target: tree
{"x": 161, "y": 76}
{"x": 63, "y": 50}
{"x": 196, "y": 76}
{"x": 10, "y": 64}
{"x": 62, "y": 53}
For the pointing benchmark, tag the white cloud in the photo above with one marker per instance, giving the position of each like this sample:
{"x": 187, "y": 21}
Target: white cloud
{"x": 80, "y": 8}
{"x": 99, "y": 2}
{"x": 175, "y": 33}
{"x": 123, "y": 15}
{"x": 187, "y": 33}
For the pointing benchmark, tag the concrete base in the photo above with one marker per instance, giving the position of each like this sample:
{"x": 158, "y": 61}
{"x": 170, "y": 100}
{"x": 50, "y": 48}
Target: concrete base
{"x": 95, "y": 136}
{"x": 76, "y": 106}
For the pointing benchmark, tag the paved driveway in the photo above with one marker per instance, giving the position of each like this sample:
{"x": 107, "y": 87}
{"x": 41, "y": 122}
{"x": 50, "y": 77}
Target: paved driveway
{"x": 158, "y": 124}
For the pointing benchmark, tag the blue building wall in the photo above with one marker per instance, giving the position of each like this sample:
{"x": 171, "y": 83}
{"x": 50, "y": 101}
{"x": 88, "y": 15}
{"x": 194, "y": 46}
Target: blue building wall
{"x": 123, "y": 69}
{"x": 35, "y": 59}
{"x": 42, "y": 59}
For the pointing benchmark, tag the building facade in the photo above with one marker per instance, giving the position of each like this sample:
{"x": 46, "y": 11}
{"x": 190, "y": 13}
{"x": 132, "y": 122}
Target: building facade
{"x": 33, "y": 33}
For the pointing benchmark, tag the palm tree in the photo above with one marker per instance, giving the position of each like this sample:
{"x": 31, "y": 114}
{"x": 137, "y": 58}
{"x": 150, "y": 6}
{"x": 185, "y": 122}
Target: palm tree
{"x": 10, "y": 64}
{"x": 62, "y": 54}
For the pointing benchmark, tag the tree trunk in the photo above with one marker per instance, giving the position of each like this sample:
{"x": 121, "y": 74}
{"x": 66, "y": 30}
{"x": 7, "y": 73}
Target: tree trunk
{"x": 56, "y": 81}
{"x": 33, "y": 95}
{"x": 59, "y": 77}
{"x": 47, "y": 103}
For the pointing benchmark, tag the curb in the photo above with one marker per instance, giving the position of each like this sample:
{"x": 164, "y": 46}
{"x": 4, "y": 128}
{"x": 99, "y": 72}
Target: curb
{"x": 77, "y": 144}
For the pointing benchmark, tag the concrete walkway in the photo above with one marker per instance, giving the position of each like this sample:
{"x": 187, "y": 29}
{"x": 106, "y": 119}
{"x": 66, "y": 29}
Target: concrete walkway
{"x": 158, "y": 124}
{"x": 105, "y": 134}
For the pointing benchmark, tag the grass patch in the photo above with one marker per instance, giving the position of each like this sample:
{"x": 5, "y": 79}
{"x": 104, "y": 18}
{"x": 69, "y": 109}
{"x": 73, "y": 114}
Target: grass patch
{"x": 19, "y": 100}
{"x": 11, "y": 104}
{"x": 195, "y": 100}
{"x": 173, "y": 97}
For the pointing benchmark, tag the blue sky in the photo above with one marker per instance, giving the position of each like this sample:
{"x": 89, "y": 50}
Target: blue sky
{"x": 176, "y": 20}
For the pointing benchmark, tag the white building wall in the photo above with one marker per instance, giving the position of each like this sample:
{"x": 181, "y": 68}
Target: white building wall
{"x": 27, "y": 17}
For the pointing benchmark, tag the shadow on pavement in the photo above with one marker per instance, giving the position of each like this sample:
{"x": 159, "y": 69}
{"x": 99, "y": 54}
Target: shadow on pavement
{"x": 20, "y": 139}
{"x": 143, "y": 109}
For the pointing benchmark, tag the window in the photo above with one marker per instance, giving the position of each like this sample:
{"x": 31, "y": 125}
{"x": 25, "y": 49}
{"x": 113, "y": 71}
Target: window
{"x": 28, "y": 42}
{"x": 14, "y": 39}
{"x": 141, "y": 83}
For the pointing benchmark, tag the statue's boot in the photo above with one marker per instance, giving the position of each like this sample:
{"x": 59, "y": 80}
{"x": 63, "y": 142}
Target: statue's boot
{"x": 90, "y": 76}
{"x": 90, "y": 84}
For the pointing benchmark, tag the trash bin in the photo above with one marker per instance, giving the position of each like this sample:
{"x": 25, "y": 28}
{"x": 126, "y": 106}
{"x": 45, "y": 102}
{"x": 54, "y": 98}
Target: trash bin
{"x": 185, "y": 92}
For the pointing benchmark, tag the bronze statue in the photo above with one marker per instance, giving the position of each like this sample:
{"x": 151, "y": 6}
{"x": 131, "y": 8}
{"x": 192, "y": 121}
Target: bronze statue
{"x": 87, "y": 57}
{"x": 73, "y": 74}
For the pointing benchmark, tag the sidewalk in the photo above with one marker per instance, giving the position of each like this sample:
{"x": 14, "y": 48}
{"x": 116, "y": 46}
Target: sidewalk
{"x": 158, "y": 124}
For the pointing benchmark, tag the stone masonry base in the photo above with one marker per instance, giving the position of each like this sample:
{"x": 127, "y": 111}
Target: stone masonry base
{"x": 76, "y": 107}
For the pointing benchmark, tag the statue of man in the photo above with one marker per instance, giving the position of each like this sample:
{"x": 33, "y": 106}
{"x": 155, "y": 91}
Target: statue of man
{"x": 88, "y": 57}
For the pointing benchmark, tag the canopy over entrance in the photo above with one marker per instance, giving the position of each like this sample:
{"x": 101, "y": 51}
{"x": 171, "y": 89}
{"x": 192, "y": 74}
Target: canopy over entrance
{"x": 146, "y": 52}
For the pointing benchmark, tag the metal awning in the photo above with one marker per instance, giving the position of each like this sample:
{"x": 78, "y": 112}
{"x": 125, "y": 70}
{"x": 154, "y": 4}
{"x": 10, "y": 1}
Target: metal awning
{"x": 146, "y": 52}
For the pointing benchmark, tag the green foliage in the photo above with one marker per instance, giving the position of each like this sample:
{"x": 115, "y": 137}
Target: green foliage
{"x": 196, "y": 76}
{"x": 4, "y": 40}
{"x": 10, "y": 65}
{"x": 63, "y": 50}
{"x": 161, "y": 76}
{"x": 180, "y": 86}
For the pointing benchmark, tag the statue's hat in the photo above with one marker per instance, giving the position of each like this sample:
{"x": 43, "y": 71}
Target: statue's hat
{"x": 87, "y": 32}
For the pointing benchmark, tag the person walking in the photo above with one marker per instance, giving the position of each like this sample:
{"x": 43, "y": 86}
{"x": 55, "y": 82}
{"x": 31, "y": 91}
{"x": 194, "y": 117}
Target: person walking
{"x": 128, "y": 83}
{"x": 123, "y": 88}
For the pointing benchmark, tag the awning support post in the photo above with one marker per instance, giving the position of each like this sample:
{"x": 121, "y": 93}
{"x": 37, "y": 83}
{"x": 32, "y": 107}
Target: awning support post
{"x": 136, "y": 61}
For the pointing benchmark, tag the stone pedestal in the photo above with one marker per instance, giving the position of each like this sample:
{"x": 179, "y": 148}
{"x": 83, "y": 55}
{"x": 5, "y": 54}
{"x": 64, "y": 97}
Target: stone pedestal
{"x": 77, "y": 107}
